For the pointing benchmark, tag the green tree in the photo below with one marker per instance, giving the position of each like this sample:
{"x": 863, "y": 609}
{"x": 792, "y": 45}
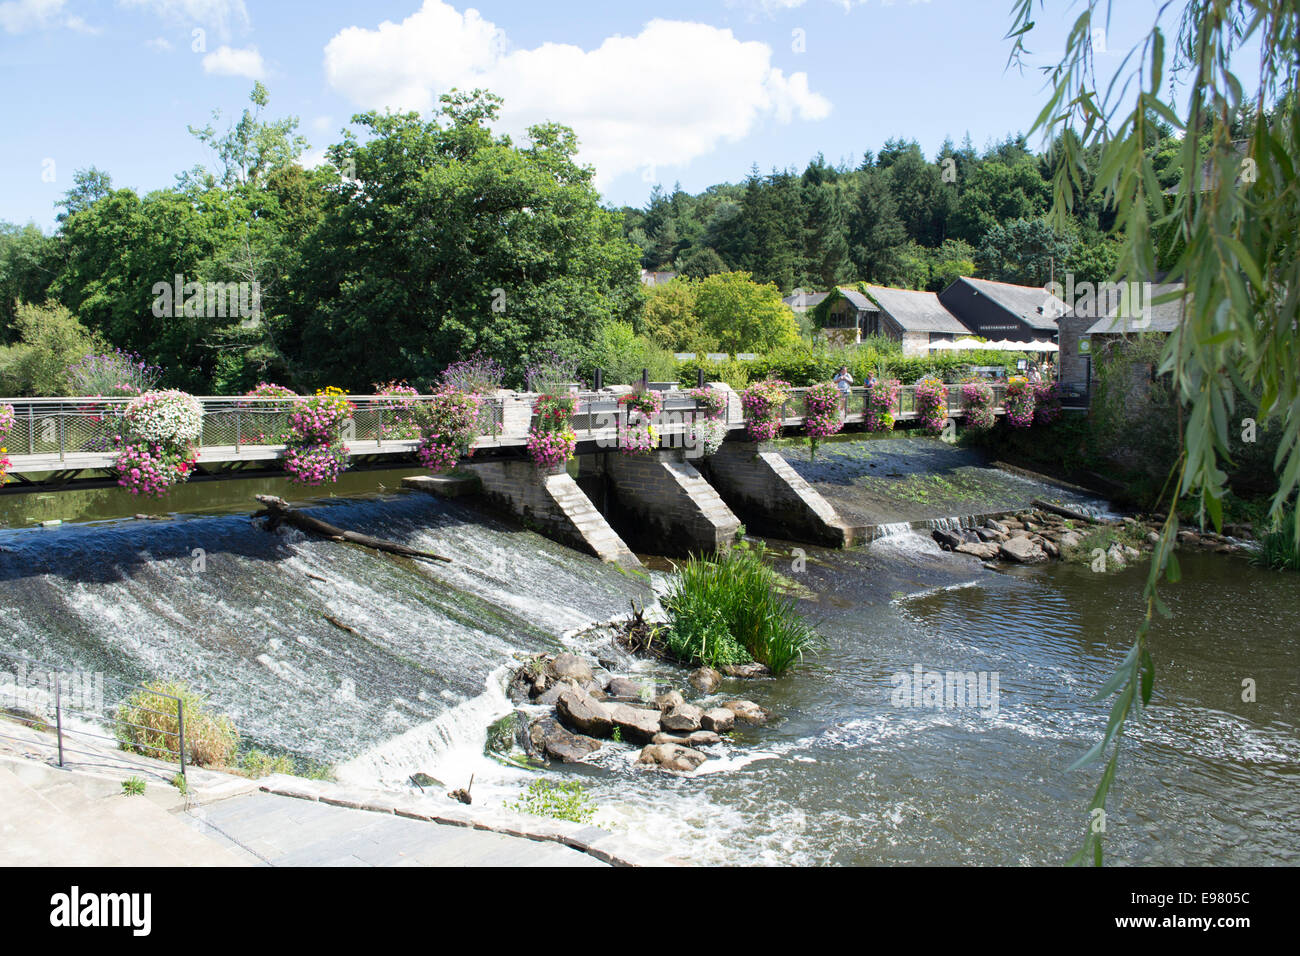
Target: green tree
{"x": 1024, "y": 251}
{"x": 28, "y": 263}
{"x": 447, "y": 239}
{"x": 742, "y": 315}
{"x": 49, "y": 340}
{"x": 669, "y": 318}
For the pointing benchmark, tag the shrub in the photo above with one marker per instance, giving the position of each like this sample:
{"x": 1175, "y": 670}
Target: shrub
{"x": 146, "y": 724}
{"x": 762, "y": 403}
{"x": 882, "y": 400}
{"x": 727, "y": 610}
{"x": 551, "y": 439}
{"x": 551, "y": 372}
{"x": 1047, "y": 402}
{"x": 111, "y": 374}
{"x": 822, "y": 416}
{"x": 931, "y": 404}
{"x": 155, "y": 449}
{"x": 1277, "y": 547}
{"x": 977, "y": 398}
{"x": 315, "y": 452}
{"x": 398, "y": 409}
{"x": 447, "y": 426}
{"x": 1019, "y": 402}
{"x": 560, "y": 801}
{"x": 476, "y": 375}
{"x": 6, "y": 424}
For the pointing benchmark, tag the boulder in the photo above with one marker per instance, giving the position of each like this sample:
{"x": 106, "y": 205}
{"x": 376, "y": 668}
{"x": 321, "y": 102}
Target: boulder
{"x": 747, "y": 710}
{"x": 697, "y": 738}
{"x": 948, "y": 540}
{"x": 986, "y": 534}
{"x": 581, "y": 713}
{"x": 550, "y": 737}
{"x": 670, "y": 699}
{"x": 1115, "y": 557}
{"x": 751, "y": 670}
{"x": 1022, "y": 550}
{"x": 720, "y": 720}
{"x": 622, "y": 687}
{"x": 997, "y": 527}
{"x": 638, "y": 724}
{"x": 1051, "y": 548}
{"x": 552, "y": 694}
{"x": 425, "y": 782}
{"x": 705, "y": 680}
{"x": 683, "y": 718}
{"x": 981, "y": 550}
{"x": 671, "y": 757}
{"x": 571, "y": 665}
{"x": 1070, "y": 540}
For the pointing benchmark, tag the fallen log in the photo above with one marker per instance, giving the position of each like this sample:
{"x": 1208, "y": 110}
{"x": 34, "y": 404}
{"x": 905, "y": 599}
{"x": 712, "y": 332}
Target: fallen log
{"x": 1066, "y": 512}
{"x": 277, "y": 511}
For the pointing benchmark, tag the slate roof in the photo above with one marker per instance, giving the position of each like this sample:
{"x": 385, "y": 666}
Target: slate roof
{"x": 916, "y": 311}
{"x": 1027, "y": 303}
{"x": 1164, "y": 315}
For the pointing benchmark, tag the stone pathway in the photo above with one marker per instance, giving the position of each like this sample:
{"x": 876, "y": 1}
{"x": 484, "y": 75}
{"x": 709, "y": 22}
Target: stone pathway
{"x": 285, "y": 831}
{"x": 79, "y": 815}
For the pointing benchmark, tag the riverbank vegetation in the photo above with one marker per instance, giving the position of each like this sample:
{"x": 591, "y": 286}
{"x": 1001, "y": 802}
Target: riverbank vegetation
{"x": 731, "y": 610}
{"x": 147, "y": 724}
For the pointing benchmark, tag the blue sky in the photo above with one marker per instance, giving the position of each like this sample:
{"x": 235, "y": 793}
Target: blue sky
{"x": 666, "y": 92}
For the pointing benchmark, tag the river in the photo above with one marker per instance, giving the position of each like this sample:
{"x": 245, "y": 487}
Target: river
{"x": 846, "y": 773}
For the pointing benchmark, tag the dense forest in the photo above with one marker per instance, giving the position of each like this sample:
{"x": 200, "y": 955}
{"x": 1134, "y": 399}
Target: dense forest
{"x": 897, "y": 219}
{"x": 421, "y": 241}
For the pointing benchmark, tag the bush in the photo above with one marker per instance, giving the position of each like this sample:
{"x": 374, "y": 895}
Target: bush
{"x": 50, "y": 340}
{"x": 112, "y": 374}
{"x": 560, "y": 801}
{"x": 1277, "y": 547}
{"x": 146, "y": 724}
{"x": 727, "y": 610}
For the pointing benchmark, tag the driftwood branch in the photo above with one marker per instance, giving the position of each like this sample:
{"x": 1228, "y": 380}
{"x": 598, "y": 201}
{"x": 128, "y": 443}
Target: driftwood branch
{"x": 277, "y": 511}
{"x": 1065, "y": 512}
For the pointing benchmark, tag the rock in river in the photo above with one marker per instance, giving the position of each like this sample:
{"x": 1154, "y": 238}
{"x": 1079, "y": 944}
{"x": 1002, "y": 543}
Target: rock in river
{"x": 719, "y": 720}
{"x": 581, "y": 713}
{"x": 705, "y": 680}
{"x": 671, "y": 757}
{"x": 682, "y": 718}
{"x": 747, "y": 710}
{"x": 571, "y": 665}
{"x": 550, "y": 737}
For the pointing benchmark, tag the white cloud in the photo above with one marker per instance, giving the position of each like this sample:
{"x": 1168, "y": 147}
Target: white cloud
{"x": 219, "y": 15}
{"x": 19, "y": 16}
{"x": 670, "y": 94}
{"x": 227, "y": 61}
{"x": 161, "y": 44}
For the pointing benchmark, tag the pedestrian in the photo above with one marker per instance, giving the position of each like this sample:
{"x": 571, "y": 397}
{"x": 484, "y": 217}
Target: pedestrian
{"x": 843, "y": 380}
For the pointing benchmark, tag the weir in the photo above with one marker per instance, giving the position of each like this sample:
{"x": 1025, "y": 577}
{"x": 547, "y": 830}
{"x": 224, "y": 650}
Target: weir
{"x": 774, "y": 500}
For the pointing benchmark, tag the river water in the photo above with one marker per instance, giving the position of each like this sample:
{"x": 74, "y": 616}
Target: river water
{"x": 849, "y": 771}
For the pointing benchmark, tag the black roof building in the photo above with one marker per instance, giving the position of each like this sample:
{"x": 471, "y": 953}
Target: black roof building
{"x": 1000, "y": 310}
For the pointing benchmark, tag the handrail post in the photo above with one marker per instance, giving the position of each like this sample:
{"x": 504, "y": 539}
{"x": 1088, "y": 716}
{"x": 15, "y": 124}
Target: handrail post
{"x": 180, "y": 725}
{"x": 58, "y": 712}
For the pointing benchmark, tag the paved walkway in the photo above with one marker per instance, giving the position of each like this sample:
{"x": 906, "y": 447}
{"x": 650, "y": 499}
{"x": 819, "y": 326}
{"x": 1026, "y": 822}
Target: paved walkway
{"x": 284, "y": 831}
{"x": 79, "y": 816}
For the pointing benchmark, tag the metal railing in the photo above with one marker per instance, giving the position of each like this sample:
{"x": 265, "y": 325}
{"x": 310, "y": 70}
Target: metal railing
{"x": 45, "y": 697}
{"x": 59, "y": 427}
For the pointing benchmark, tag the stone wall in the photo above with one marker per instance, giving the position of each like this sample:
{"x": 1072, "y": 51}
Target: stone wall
{"x": 772, "y": 499}
{"x": 664, "y": 506}
{"x": 553, "y": 505}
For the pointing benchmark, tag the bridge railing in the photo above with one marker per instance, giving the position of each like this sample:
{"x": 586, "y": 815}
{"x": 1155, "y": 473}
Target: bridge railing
{"x": 53, "y": 428}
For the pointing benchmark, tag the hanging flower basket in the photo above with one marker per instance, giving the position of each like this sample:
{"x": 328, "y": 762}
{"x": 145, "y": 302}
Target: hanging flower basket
{"x": 1019, "y": 403}
{"x": 932, "y": 405}
{"x": 762, "y": 403}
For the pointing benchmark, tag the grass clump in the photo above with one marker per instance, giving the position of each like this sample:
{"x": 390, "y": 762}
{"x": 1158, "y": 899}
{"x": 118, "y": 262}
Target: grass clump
{"x": 730, "y": 610}
{"x": 147, "y": 724}
{"x": 133, "y": 787}
{"x": 561, "y": 801}
{"x": 1277, "y": 547}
